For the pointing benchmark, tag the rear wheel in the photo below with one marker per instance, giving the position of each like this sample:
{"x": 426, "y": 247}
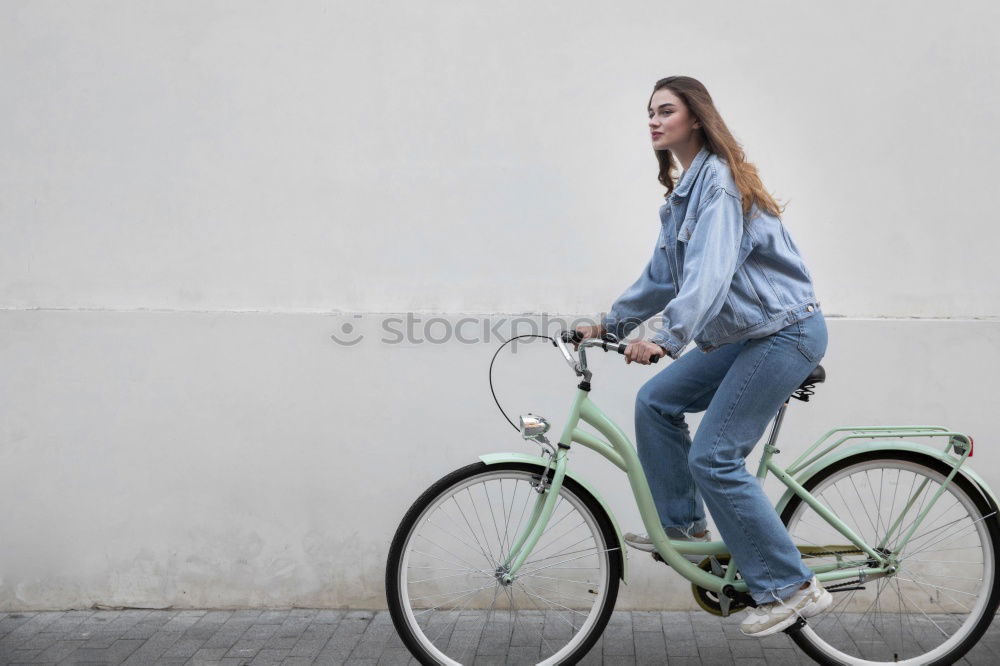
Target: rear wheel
{"x": 945, "y": 591}
{"x": 444, "y": 576}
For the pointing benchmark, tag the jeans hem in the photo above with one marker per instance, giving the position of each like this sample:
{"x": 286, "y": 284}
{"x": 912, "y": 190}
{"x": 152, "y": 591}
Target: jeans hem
{"x": 774, "y": 592}
{"x": 676, "y": 532}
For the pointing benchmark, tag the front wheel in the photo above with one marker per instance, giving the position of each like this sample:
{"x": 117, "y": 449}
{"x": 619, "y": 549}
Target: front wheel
{"x": 444, "y": 577}
{"x": 945, "y": 589}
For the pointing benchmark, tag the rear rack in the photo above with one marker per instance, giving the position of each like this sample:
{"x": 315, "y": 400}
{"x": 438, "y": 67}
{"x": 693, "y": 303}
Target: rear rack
{"x": 958, "y": 442}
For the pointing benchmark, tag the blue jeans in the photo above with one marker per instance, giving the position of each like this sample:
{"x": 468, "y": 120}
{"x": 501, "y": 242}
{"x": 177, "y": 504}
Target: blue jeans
{"x": 740, "y": 387}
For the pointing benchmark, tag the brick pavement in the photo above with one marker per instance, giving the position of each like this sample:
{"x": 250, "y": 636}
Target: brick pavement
{"x": 304, "y": 636}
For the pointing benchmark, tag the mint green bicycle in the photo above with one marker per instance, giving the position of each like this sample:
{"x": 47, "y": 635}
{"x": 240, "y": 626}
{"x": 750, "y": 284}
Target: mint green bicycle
{"x": 516, "y": 556}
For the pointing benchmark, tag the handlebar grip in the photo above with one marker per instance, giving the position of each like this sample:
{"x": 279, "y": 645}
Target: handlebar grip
{"x": 652, "y": 359}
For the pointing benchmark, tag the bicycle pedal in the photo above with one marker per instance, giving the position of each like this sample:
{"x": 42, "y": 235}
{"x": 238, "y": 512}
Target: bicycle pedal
{"x": 724, "y": 603}
{"x": 796, "y": 626}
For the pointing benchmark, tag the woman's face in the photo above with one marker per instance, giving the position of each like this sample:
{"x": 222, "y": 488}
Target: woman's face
{"x": 670, "y": 122}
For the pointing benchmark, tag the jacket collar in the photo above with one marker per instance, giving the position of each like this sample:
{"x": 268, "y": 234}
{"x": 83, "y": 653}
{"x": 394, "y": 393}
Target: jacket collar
{"x": 691, "y": 174}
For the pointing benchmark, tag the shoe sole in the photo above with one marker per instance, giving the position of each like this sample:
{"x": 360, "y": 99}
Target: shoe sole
{"x": 810, "y": 610}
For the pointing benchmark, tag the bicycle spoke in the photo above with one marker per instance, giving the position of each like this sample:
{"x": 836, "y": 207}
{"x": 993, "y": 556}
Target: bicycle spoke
{"x": 585, "y": 552}
{"x": 482, "y": 529}
{"x": 560, "y": 552}
{"x": 542, "y": 611}
{"x": 469, "y": 566}
{"x": 555, "y": 540}
{"x": 509, "y": 591}
{"x": 427, "y": 580}
{"x": 568, "y": 580}
{"x": 549, "y": 601}
{"x": 493, "y": 516}
{"x": 524, "y": 509}
{"x": 457, "y": 538}
{"x": 506, "y": 522}
{"x": 947, "y": 575}
{"x": 916, "y": 516}
{"x": 468, "y": 594}
{"x": 863, "y": 504}
{"x": 943, "y": 632}
{"x": 438, "y": 594}
{"x": 945, "y": 537}
{"x": 915, "y": 537}
{"x": 940, "y": 587}
{"x": 952, "y": 562}
{"x": 473, "y": 532}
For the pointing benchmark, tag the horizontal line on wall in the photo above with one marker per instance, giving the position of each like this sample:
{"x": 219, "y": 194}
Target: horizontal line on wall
{"x": 275, "y": 311}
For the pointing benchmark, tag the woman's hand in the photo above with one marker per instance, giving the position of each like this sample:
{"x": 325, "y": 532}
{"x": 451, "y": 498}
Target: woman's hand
{"x": 595, "y": 331}
{"x": 640, "y": 351}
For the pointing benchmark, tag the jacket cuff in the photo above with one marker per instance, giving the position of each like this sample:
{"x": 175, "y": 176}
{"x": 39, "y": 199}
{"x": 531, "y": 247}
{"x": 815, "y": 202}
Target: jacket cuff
{"x": 611, "y": 324}
{"x": 671, "y": 344}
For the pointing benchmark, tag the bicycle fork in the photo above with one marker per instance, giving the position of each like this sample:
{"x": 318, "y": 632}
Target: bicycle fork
{"x": 548, "y": 494}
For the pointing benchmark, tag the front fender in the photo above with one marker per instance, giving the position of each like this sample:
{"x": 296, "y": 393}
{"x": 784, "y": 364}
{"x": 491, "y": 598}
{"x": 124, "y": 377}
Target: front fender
{"x": 840, "y": 454}
{"x": 494, "y": 458}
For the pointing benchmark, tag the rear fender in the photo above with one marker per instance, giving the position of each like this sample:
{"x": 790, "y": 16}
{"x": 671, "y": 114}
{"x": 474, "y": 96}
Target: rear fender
{"x": 888, "y": 446}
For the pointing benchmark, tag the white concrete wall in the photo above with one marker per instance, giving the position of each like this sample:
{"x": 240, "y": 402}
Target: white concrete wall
{"x": 195, "y": 196}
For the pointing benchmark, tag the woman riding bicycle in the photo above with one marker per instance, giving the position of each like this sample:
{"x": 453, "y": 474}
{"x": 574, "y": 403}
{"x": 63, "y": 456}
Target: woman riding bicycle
{"x": 726, "y": 274}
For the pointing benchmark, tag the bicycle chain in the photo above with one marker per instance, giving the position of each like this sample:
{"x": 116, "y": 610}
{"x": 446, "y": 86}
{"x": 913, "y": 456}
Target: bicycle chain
{"x": 830, "y": 588}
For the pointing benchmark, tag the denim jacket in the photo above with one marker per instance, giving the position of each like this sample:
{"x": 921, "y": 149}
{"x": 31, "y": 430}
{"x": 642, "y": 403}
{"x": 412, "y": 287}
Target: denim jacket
{"x": 716, "y": 275}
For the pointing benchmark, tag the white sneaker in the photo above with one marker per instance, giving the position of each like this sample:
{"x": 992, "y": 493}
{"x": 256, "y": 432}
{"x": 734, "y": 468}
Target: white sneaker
{"x": 642, "y": 542}
{"x": 772, "y": 617}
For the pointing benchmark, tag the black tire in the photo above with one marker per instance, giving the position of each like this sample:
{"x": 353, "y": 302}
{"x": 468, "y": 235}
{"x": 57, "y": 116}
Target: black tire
{"x": 977, "y": 622}
{"x": 612, "y": 571}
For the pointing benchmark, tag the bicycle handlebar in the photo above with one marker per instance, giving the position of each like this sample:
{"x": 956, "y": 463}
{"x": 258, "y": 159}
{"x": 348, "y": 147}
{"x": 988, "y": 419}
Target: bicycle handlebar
{"x": 606, "y": 342}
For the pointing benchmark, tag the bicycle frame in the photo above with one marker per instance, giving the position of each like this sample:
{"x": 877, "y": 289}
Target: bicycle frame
{"x": 618, "y": 449}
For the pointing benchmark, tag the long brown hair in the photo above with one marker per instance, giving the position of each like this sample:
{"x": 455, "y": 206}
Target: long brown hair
{"x": 719, "y": 140}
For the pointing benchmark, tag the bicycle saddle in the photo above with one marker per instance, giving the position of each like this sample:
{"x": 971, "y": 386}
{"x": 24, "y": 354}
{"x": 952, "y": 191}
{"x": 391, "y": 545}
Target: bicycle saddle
{"x": 817, "y": 376}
